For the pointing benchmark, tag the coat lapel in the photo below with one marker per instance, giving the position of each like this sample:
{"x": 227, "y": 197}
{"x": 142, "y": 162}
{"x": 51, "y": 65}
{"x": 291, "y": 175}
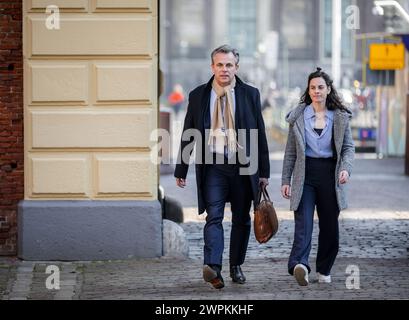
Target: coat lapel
{"x": 339, "y": 129}
{"x": 240, "y": 105}
{"x": 239, "y": 122}
{"x": 300, "y": 132}
{"x": 205, "y": 106}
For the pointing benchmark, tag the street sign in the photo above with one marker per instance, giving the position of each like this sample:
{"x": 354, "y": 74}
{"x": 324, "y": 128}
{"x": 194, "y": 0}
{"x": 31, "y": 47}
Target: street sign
{"x": 386, "y": 56}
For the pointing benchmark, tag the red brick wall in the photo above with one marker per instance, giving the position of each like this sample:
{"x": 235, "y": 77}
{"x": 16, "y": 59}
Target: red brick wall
{"x": 11, "y": 123}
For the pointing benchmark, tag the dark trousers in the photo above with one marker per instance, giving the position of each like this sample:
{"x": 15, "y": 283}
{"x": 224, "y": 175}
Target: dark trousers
{"x": 224, "y": 184}
{"x": 319, "y": 191}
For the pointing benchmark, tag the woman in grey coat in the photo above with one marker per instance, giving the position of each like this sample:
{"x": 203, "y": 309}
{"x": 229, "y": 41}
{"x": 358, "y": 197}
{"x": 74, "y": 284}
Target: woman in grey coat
{"x": 317, "y": 165}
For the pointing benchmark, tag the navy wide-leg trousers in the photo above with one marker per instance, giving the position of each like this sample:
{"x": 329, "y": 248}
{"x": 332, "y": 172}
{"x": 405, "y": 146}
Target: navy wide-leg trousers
{"x": 224, "y": 184}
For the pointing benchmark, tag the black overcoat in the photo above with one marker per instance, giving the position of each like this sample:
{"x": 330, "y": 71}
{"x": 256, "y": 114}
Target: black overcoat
{"x": 247, "y": 116}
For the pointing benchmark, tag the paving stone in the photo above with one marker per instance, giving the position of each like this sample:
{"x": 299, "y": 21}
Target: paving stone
{"x": 373, "y": 236}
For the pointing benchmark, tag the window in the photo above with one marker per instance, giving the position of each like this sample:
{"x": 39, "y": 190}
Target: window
{"x": 243, "y": 26}
{"x": 346, "y": 34}
{"x": 297, "y": 28}
{"x": 190, "y": 32}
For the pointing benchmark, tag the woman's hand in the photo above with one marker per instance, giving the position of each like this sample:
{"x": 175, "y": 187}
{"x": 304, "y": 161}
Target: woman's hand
{"x": 343, "y": 177}
{"x": 286, "y": 191}
{"x": 181, "y": 183}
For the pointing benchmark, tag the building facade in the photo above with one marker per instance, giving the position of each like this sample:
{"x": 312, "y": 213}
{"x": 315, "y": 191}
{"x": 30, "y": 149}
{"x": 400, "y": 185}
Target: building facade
{"x": 279, "y": 41}
{"x": 11, "y": 123}
{"x": 90, "y": 100}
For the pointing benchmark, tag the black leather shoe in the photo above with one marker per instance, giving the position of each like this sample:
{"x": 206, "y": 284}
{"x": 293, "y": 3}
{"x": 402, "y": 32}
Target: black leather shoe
{"x": 213, "y": 275}
{"x": 237, "y": 275}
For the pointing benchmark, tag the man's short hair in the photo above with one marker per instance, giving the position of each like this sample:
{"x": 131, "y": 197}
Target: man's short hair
{"x": 226, "y": 49}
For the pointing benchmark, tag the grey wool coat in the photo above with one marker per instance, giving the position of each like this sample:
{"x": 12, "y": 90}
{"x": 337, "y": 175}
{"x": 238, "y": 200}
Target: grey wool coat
{"x": 294, "y": 158}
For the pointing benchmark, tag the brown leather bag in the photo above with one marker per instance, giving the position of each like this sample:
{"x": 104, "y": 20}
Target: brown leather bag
{"x": 265, "y": 218}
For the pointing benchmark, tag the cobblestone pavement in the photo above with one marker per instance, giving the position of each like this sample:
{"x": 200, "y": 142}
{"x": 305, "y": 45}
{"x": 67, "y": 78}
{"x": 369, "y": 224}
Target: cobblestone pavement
{"x": 377, "y": 247}
{"x": 373, "y": 241}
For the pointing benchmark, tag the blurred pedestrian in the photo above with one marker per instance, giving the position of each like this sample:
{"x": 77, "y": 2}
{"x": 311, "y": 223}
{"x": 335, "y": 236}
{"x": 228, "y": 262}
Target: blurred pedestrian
{"x": 176, "y": 98}
{"x": 228, "y": 110}
{"x": 317, "y": 164}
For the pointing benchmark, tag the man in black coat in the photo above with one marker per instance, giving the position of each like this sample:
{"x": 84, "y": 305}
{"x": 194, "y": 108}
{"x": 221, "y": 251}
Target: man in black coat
{"x": 225, "y": 125}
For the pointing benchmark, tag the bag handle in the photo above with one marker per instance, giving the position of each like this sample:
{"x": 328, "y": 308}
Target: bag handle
{"x": 265, "y": 194}
{"x": 262, "y": 191}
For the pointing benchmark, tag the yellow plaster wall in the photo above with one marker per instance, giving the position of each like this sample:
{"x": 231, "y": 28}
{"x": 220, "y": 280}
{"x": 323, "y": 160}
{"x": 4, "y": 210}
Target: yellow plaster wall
{"x": 90, "y": 100}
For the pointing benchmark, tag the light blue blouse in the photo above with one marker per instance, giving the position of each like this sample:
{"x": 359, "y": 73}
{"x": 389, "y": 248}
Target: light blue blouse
{"x": 318, "y": 146}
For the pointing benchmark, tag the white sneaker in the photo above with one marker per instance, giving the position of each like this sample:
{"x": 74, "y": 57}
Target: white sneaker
{"x": 301, "y": 274}
{"x": 323, "y": 279}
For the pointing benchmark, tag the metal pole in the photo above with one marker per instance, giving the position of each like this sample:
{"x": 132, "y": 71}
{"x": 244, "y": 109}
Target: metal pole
{"x": 407, "y": 136}
{"x": 336, "y": 41}
{"x": 286, "y": 67}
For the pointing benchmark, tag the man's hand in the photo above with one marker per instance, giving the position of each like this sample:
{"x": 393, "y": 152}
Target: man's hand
{"x": 263, "y": 182}
{"x": 181, "y": 183}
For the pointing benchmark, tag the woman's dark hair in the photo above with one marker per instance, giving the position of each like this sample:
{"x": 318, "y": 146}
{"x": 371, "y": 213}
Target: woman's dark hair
{"x": 333, "y": 100}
